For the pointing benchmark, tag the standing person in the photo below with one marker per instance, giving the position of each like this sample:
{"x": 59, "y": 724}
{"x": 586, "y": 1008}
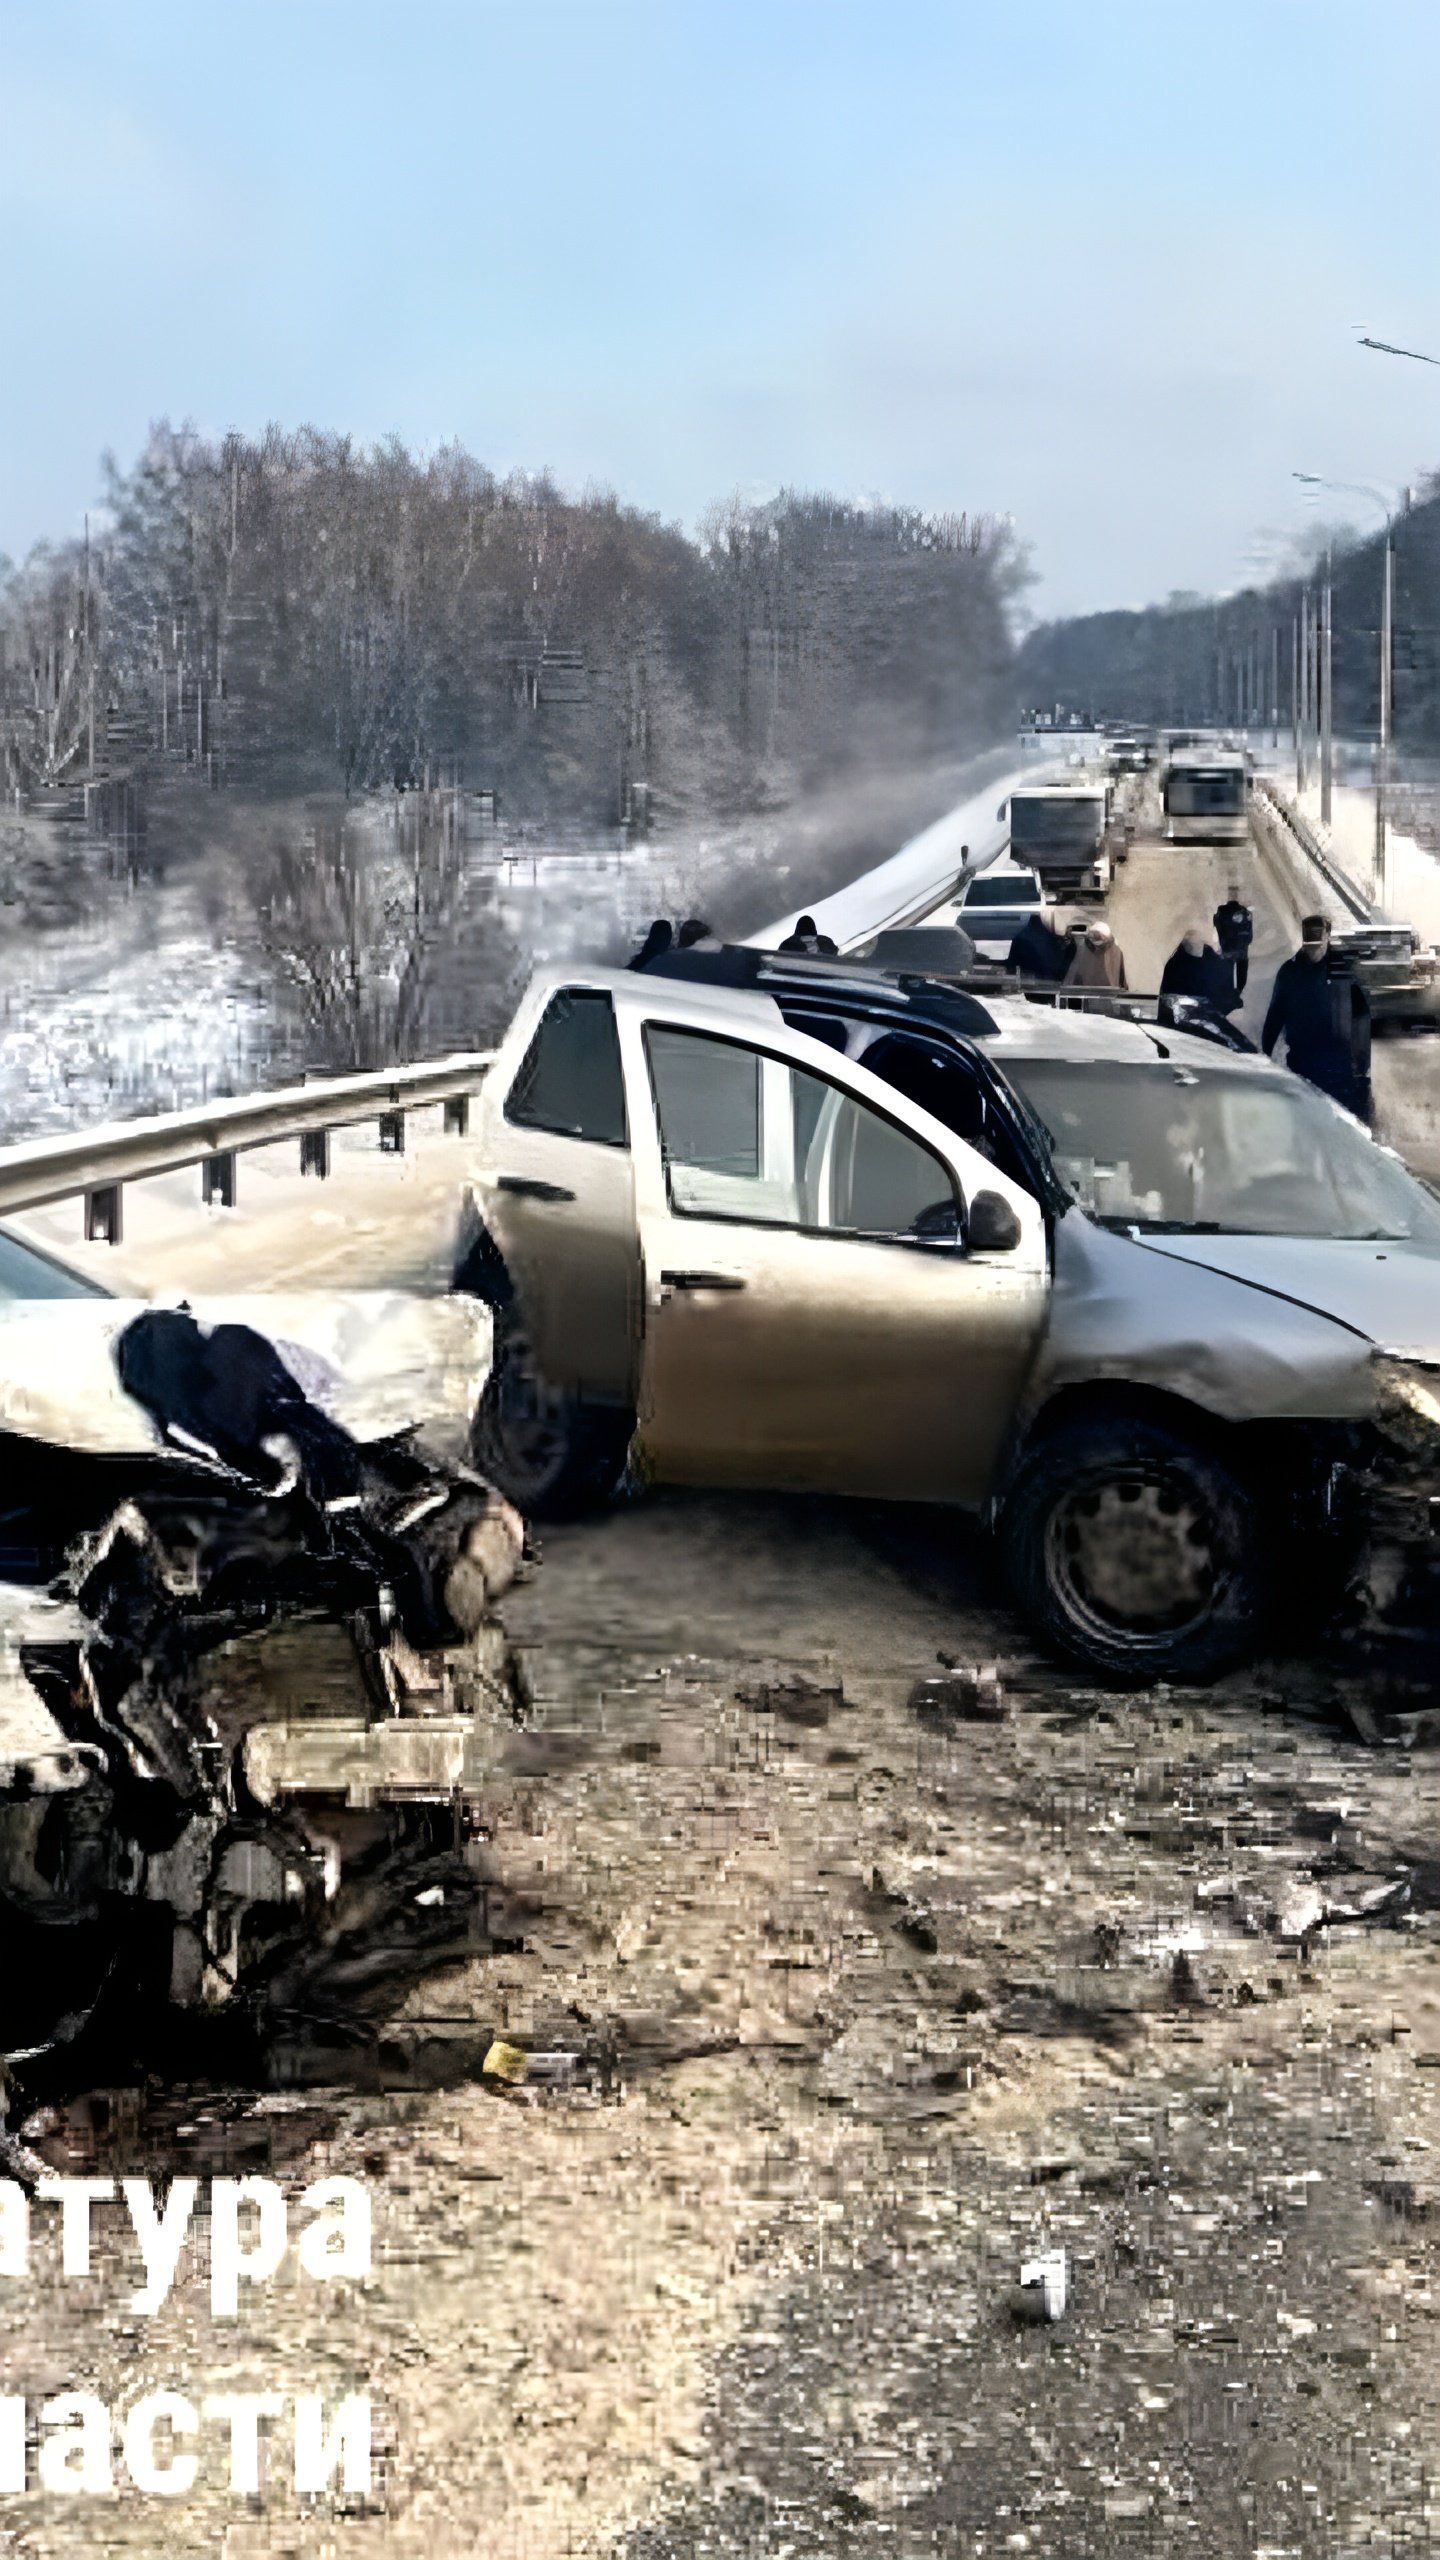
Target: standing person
{"x": 1196, "y": 969}
{"x": 1322, "y": 1012}
{"x": 1039, "y": 951}
{"x": 657, "y": 940}
{"x": 1235, "y": 931}
{"x": 1099, "y": 960}
{"x": 807, "y": 937}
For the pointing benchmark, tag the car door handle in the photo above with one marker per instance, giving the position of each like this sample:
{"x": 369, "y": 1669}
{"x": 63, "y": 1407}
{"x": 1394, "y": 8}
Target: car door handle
{"x": 701, "y": 1280}
{"x": 521, "y": 1187}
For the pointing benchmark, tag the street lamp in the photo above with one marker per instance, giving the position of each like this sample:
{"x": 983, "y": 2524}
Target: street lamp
{"x": 1383, "y": 347}
{"x": 1378, "y": 498}
{"x": 1322, "y": 663}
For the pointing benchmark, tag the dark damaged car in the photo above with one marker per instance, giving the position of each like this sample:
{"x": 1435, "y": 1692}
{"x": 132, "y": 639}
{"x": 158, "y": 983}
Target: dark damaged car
{"x": 250, "y": 1662}
{"x": 1158, "y": 1312}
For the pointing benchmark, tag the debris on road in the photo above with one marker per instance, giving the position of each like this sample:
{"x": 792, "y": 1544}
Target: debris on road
{"x": 1044, "y": 2287}
{"x": 967, "y": 1692}
{"x": 797, "y": 1696}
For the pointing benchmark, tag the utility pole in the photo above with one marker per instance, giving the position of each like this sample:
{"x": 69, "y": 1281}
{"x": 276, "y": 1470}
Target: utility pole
{"x": 1295, "y": 698}
{"x": 1275, "y": 686}
{"x": 1302, "y": 767}
{"x": 1382, "y": 752}
{"x": 1327, "y": 674}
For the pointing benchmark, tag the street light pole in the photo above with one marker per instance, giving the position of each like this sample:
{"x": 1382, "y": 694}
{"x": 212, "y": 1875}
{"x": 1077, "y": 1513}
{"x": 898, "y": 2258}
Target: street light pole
{"x": 1382, "y": 755}
{"x": 1362, "y": 489}
{"x": 1327, "y": 672}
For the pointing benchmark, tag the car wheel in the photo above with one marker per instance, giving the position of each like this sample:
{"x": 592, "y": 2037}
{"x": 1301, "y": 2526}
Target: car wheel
{"x": 1135, "y": 1551}
{"x": 548, "y": 1451}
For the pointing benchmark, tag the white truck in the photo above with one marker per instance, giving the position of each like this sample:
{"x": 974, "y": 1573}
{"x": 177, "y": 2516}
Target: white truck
{"x": 1060, "y": 829}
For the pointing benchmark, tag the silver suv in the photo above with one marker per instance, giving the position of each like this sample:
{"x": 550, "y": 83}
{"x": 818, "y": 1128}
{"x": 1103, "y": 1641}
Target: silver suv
{"x": 1119, "y": 1291}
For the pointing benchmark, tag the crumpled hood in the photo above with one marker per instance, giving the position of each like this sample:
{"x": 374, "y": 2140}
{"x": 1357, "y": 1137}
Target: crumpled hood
{"x": 376, "y": 1361}
{"x": 1388, "y": 1292}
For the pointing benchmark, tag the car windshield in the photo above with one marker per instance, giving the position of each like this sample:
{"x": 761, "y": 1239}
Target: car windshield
{"x": 1004, "y": 892}
{"x": 26, "y": 1273}
{"x": 1230, "y": 1154}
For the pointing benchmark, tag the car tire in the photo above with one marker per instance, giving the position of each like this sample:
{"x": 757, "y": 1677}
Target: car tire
{"x": 1135, "y": 1551}
{"x": 551, "y": 1453}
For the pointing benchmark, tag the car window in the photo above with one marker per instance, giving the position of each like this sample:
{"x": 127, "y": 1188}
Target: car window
{"x": 571, "y": 1080}
{"x": 26, "y": 1274}
{"x": 749, "y": 1136}
{"x": 1231, "y": 1153}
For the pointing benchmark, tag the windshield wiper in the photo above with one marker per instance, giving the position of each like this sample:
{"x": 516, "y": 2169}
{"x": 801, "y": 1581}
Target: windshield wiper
{"x": 1162, "y": 1226}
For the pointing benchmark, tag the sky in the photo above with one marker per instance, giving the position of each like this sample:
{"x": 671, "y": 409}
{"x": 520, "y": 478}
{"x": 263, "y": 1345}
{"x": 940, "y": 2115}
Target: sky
{"x": 1098, "y": 265}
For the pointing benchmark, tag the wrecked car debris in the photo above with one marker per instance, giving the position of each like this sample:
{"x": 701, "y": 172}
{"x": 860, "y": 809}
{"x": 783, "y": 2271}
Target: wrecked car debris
{"x": 246, "y": 1714}
{"x": 797, "y": 1696}
{"x": 1044, "y": 2287}
{"x": 1388, "y": 1495}
{"x": 970, "y": 1692}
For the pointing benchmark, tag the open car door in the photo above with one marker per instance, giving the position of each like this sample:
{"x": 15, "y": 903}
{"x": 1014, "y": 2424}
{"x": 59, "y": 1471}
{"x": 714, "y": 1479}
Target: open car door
{"x": 839, "y": 1295}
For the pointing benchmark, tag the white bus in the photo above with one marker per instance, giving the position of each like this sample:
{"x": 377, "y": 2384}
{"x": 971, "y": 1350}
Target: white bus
{"x": 1206, "y": 796}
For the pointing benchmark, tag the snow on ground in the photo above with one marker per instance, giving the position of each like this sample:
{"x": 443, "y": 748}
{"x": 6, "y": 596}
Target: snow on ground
{"x": 136, "y": 1010}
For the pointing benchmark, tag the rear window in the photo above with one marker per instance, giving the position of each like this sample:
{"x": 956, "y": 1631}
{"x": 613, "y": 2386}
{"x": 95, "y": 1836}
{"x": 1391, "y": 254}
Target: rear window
{"x": 1008, "y": 892}
{"x": 571, "y": 1081}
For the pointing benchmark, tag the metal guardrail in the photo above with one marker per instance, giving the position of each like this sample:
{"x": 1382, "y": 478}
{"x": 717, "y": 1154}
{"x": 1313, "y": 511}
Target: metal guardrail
{"x": 97, "y": 1162}
{"x": 1360, "y": 908}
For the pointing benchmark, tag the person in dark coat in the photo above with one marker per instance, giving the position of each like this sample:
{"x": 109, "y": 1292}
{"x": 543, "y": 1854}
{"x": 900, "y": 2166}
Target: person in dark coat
{"x": 1322, "y": 1013}
{"x": 657, "y": 940}
{"x": 807, "y": 937}
{"x": 1235, "y": 931}
{"x": 1196, "y": 969}
{"x": 693, "y": 930}
{"x": 1038, "y": 951}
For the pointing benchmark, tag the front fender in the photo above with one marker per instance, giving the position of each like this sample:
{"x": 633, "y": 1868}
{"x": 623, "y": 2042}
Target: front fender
{"x": 1235, "y": 1350}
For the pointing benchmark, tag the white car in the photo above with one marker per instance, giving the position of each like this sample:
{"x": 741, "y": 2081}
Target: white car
{"x": 993, "y": 906}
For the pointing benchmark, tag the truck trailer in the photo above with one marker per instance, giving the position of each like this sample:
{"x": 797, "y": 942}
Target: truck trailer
{"x": 1060, "y": 829}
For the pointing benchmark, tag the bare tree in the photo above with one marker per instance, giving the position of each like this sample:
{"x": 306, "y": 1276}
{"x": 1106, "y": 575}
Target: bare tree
{"x": 359, "y": 936}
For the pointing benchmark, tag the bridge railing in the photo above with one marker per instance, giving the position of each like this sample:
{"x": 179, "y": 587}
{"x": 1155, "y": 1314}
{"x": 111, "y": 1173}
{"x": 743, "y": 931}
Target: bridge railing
{"x": 96, "y": 1163}
{"x": 1359, "y": 909}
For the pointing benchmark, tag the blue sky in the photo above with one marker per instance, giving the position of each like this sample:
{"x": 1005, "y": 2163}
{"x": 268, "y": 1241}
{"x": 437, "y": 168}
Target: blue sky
{"x": 1092, "y": 263}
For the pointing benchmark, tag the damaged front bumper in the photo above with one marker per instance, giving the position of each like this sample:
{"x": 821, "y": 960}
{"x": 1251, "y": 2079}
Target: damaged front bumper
{"x": 1388, "y": 1495}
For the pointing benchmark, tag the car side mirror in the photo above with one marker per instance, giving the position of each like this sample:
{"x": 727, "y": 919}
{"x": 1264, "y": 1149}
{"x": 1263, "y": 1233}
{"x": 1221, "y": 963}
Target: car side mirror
{"x": 993, "y": 1226}
{"x": 939, "y": 1224}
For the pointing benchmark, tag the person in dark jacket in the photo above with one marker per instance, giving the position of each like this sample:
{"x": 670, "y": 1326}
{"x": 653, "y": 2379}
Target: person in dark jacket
{"x": 1196, "y": 969}
{"x": 807, "y": 937}
{"x": 1322, "y": 1013}
{"x": 657, "y": 941}
{"x": 694, "y": 930}
{"x": 1235, "y": 931}
{"x": 1038, "y": 951}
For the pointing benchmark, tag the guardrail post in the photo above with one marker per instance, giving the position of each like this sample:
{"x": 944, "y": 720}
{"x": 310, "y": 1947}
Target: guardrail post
{"x": 315, "y": 1152}
{"x": 103, "y": 1218}
{"x": 457, "y": 1114}
{"x": 217, "y": 1179}
{"x": 392, "y": 1133}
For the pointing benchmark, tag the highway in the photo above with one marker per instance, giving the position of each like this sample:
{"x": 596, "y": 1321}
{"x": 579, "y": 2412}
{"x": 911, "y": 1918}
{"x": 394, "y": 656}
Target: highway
{"x": 390, "y": 1220}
